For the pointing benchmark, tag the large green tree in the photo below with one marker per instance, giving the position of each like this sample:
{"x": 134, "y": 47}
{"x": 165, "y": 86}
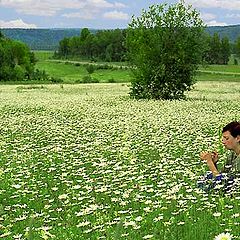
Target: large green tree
{"x": 16, "y": 60}
{"x": 214, "y": 52}
{"x": 219, "y": 50}
{"x": 225, "y": 50}
{"x": 64, "y": 47}
{"x": 165, "y": 45}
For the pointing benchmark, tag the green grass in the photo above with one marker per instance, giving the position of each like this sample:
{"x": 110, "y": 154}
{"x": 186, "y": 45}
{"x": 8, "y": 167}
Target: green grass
{"x": 218, "y": 77}
{"x": 229, "y": 73}
{"x": 70, "y": 73}
{"x": 222, "y": 73}
{"x": 84, "y": 161}
{"x": 223, "y": 68}
{"x": 43, "y": 55}
{"x": 67, "y": 72}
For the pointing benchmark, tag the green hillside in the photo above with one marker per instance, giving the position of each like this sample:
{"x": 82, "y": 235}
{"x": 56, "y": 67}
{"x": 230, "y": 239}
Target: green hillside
{"x": 48, "y": 39}
{"x": 232, "y": 32}
{"x": 41, "y": 39}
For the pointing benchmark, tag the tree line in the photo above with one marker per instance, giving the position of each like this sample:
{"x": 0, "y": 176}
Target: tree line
{"x": 219, "y": 49}
{"x": 17, "y": 62}
{"x": 110, "y": 46}
{"x": 105, "y": 45}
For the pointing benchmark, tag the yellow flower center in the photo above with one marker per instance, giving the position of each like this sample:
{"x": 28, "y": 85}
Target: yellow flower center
{"x": 224, "y": 238}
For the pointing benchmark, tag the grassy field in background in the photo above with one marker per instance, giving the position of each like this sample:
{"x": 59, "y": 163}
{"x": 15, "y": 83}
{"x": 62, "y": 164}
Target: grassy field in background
{"x": 231, "y": 69}
{"x": 71, "y": 72}
{"x": 218, "y": 77}
{"x": 74, "y": 71}
{"x": 84, "y": 161}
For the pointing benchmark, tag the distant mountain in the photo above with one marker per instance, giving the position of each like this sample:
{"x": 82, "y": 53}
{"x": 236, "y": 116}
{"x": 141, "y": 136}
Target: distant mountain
{"x": 41, "y": 39}
{"x": 232, "y": 32}
{"x": 48, "y": 39}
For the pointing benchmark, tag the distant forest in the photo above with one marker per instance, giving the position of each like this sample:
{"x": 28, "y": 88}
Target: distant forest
{"x": 41, "y": 39}
{"x": 231, "y": 31}
{"x": 48, "y": 39}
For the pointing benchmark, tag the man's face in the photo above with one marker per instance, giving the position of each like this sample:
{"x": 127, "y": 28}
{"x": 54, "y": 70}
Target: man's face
{"x": 229, "y": 141}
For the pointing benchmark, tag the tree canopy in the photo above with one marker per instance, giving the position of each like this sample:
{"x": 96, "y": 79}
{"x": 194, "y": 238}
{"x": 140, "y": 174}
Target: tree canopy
{"x": 237, "y": 46}
{"x": 165, "y": 45}
{"x": 16, "y": 60}
{"x": 105, "y": 45}
{"x": 219, "y": 50}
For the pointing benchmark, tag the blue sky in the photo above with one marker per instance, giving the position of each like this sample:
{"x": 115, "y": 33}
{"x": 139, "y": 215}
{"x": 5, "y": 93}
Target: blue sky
{"x": 103, "y": 14}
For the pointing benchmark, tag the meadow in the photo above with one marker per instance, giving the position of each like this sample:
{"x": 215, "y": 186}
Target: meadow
{"x": 84, "y": 161}
{"x": 74, "y": 71}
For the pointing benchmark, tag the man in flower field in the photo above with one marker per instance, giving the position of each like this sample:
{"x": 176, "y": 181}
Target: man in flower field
{"x": 231, "y": 171}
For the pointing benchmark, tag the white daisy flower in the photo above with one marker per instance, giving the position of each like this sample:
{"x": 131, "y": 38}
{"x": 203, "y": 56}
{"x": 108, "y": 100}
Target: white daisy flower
{"x": 223, "y": 236}
{"x": 217, "y": 214}
{"x": 63, "y": 196}
{"x": 148, "y": 236}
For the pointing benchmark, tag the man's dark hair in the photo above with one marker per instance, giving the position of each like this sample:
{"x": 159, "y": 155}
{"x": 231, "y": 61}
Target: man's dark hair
{"x": 233, "y": 128}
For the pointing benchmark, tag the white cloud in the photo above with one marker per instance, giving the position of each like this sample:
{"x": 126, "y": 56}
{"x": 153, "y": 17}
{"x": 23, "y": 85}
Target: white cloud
{"x": 207, "y": 16}
{"x": 223, "y": 4}
{"x": 119, "y": 5}
{"x": 51, "y": 7}
{"x": 80, "y": 15}
{"x": 16, "y": 24}
{"x": 210, "y": 20}
{"x": 233, "y": 15}
{"x": 216, "y": 23}
{"x": 99, "y": 3}
{"x": 116, "y": 15}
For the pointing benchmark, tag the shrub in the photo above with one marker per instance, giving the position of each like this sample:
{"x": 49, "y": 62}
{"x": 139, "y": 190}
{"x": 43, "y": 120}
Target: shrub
{"x": 165, "y": 46}
{"x": 19, "y": 73}
{"x": 39, "y": 75}
{"x": 90, "y": 68}
{"x": 111, "y": 80}
{"x": 89, "y": 79}
{"x": 56, "y": 80}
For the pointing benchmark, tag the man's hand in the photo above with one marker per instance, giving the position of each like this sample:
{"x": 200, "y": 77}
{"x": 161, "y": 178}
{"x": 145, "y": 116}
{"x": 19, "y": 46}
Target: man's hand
{"x": 210, "y": 159}
{"x": 215, "y": 156}
{"x": 206, "y": 156}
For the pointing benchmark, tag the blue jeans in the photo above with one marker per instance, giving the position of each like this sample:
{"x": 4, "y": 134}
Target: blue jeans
{"x": 218, "y": 183}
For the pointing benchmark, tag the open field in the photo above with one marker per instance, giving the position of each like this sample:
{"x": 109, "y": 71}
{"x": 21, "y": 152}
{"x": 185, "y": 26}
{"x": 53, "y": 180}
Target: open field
{"x": 71, "y": 72}
{"x": 217, "y": 76}
{"x": 228, "y": 69}
{"x": 74, "y": 71}
{"x": 230, "y": 73}
{"x": 87, "y": 162}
